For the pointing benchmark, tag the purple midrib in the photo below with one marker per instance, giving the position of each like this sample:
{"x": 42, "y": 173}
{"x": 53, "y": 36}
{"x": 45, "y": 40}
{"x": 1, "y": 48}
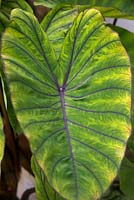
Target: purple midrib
{"x": 61, "y": 94}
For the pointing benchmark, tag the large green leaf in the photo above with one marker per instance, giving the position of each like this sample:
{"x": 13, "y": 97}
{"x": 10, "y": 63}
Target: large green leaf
{"x": 75, "y": 111}
{"x": 109, "y": 8}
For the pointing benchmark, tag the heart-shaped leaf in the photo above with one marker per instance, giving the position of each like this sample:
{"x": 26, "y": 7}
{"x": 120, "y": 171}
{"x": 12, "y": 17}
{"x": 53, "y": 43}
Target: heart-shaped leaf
{"x": 75, "y": 111}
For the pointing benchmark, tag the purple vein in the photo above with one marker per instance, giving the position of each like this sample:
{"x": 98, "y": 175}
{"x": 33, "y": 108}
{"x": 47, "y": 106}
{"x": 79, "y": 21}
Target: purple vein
{"x": 96, "y": 150}
{"x": 48, "y": 137}
{"x": 38, "y": 107}
{"x": 93, "y": 174}
{"x": 94, "y": 73}
{"x": 32, "y": 75}
{"x": 42, "y": 122}
{"x": 28, "y": 85}
{"x": 61, "y": 93}
{"x": 75, "y": 39}
{"x": 51, "y": 19}
{"x": 97, "y": 111}
{"x": 96, "y": 131}
{"x": 56, "y": 164}
{"x": 97, "y": 91}
{"x": 43, "y": 52}
{"x": 71, "y": 59}
{"x": 25, "y": 51}
{"x": 42, "y": 176}
{"x": 87, "y": 38}
{"x": 88, "y": 59}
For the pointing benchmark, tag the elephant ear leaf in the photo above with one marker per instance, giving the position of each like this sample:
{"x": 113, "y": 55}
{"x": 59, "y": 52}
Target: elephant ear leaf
{"x": 75, "y": 111}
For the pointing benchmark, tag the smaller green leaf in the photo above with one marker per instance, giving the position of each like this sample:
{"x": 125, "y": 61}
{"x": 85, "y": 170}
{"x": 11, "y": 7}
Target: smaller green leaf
{"x": 127, "y": 178}
{"x": 2, "y": 139}
{"x": 49, "y": 4}
{"x": 108, "y": 8}
{"x": 113, "y": 12}
{"x": 2, "y": 142}
{"x": 5, "y": 10}
{"x": 8, "y": 5}
{"x": 12, "y": 116}
{"x": 1, "y": 29}
{"x": 114, "y": 194}
{"x": 43, "y": 189}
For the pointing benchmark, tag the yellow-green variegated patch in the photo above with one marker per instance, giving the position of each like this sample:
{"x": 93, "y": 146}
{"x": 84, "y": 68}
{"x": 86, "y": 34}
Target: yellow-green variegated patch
{"x": 54, "y": 26}
{"x": 75, "y": 110}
